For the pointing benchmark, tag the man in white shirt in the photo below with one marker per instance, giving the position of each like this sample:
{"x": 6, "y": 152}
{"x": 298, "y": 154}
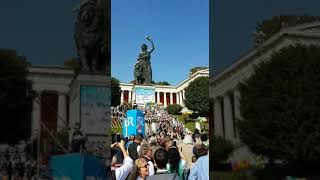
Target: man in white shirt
{"x": 123, "y": 171}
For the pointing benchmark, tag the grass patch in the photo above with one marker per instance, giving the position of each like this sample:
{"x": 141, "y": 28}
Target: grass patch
{"x": 191, "y": 125}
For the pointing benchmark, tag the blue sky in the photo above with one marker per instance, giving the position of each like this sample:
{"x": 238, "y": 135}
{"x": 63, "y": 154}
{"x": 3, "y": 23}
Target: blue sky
{"x": 41, "y": 30}
{"x": 179, "y": 29}
{"x": 234, "y": 21}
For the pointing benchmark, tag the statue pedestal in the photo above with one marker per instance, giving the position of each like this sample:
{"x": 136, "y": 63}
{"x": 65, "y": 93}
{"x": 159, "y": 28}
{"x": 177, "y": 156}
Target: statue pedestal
{"x": 90, "y": 105}
{"x": 144, "y": 94}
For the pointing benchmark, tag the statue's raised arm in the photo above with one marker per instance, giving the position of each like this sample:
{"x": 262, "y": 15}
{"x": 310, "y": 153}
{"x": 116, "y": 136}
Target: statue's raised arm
{"x": 152, "y": 45}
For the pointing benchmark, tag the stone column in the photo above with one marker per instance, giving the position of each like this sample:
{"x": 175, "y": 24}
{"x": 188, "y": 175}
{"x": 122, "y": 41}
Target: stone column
{"x": 129, "y": 92}
{"x": 164, "y": 99}
{"x": 218, "y": 127}
{"x": 177, "y": 98}
{"x": 133, "y": 95}
{"x": 158, "y": 97}
{"x": 171, "y": 98}
{"x": 36, "y": 116}
{"x": 228, "y": 117}
{"x": 62, "y": 111}
{"x": 237, "y": 116}
{"x": 184, "y": 97}
{"x": 181, "y": 100}
{"x": 122, "y": 97}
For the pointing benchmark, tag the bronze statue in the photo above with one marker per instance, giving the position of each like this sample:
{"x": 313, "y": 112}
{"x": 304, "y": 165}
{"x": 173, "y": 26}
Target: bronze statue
{"x": 142, "y": 68}
{"x": 91, "y": 36}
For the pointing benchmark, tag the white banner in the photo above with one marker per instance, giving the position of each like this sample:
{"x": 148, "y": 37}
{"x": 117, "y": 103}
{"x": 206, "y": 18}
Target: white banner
{"x": 144, "y": 95}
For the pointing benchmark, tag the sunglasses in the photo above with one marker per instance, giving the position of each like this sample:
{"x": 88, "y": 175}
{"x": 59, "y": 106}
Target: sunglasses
{"x": 145, "y": 166}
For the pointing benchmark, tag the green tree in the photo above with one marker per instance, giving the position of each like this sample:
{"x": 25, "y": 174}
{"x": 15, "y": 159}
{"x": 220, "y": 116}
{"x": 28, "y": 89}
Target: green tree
{"x": 269, "y": 27}
{"x": 197, "y": 96}
{"x": 174, "y": 109}
{"x": 195, "y": 69}
{"x": 15, "y": 102}
{"x": 115, "y": 92}
{"x": 165, "y": 83}
{"x": 280, "y": 106}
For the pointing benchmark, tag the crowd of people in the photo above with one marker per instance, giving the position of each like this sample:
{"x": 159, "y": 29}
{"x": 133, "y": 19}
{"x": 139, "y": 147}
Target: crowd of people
{"x": 17, "y": 166}
{"x": 166, "y": 151}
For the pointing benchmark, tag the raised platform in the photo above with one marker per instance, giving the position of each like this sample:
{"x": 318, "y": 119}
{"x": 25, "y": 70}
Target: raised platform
{"x": 90, "y": 103}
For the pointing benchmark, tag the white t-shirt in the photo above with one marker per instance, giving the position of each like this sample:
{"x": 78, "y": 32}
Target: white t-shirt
{"x": 123, "y": 171}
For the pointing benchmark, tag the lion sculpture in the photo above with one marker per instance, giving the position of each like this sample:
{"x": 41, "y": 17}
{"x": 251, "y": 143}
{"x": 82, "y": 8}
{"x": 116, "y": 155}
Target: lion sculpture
{"x": 89, "y": 36}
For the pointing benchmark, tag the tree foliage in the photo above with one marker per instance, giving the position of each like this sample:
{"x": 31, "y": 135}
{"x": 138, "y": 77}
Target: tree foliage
{"x": 269, "y": 27}
{"x": 195, "y": 69}
{"x": 15, "y": 103}
{"x": 115, "y": 92}
{"x": 197, "y": 96}
{"x": 174, "y": 109}
{"x": 222, "y": 149}
{"x": 165, "y": 83}
{"x": 280, "y": 106}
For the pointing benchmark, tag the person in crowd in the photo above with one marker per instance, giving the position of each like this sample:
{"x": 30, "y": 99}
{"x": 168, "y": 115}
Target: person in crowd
{"x": 123, "y": 171}
{"x": 161, "y": 159}
{"x": 146, "y": 153}
{"x": 200, "y": 150}
{"x": 196, "y": 135}
{"x": 140, "y": 170}
{"x": 153, "y": 140}
{"x": 176, "y": 161}
{"x": 117, "y": 155}
{"x": 187, "y": 147}
{"x": 168, "y": 144}
{"x": 78, "y": 139}
{"x": 134, "y": 105}
{"x": 200, "y": 169}
{"x": 131, "y": 140}
{"x": 134, "y": 147}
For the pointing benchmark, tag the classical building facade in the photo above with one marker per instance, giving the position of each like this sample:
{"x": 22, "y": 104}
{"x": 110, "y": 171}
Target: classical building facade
{"x": 224, "y": 93}
{"x": 54, "y": 86}
{"x": 58, "y": 103}
{"x": 51, "y": 106}
{"x": 164, "y": 94}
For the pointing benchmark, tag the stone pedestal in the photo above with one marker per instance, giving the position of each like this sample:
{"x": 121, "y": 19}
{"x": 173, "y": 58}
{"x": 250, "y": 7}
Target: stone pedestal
{"x": 90, "y": 105}
{"x": 144, "y": 94}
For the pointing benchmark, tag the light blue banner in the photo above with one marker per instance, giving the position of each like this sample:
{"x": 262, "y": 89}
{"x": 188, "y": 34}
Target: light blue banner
{"x": 133, "y": 124}
{"x": 77, "y": 167}
{"x": 95, "y": 108}
{"x": 140, "y": 122}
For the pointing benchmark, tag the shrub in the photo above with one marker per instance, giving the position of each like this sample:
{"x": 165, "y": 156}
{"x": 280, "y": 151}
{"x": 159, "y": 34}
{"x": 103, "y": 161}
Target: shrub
{"x": 221, "y": 149}
{"x": 174, "y": 109}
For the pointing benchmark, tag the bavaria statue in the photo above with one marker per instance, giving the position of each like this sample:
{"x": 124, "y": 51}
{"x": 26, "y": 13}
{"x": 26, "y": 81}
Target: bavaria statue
{"x": 142, "y": 68}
